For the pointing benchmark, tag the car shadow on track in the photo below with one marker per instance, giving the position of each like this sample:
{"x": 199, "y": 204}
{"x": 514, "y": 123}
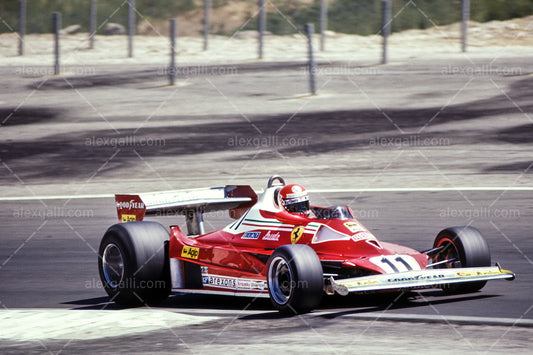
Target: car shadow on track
{"x": 355, "y": 304}
{"x": 332, "y": 306}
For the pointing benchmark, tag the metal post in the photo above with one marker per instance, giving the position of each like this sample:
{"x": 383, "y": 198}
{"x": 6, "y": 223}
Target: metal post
{"x": 323, "y": 23}
{"x": 262, "y": 25}
{"x": 207, "y": 23}
{"x": 22, "y": 26}
{"x": 172, "y": 69}
{"x": 385, "y": 28}
{"x": 92, "y": 23}
{"x": 57, "y": 28}
{"x": 131, "y": 26}
{"x": 310, "y": 30}
{"x": 465, "y": 17}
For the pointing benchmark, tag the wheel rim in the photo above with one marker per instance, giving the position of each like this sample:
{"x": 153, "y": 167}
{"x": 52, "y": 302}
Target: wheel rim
{"x": 113, "y": 265}
{"x": 449, "y": 252}
{"x": 280, "y": 280}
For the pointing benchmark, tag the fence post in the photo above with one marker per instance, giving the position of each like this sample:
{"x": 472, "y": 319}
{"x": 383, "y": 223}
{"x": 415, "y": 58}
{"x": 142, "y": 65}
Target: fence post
{"x": 323, "y": 23}
{"x": 262, "y": 25}
{"x": 57, "y": 28}
{"x": 131, "y": 26}
{"x": 92, "y": 23}
{"x": 207, "y": 23}
{"x": 172, "y": 69}
{"x": 310, "y": 30}
{"x": 22, "y": 26}
{"x": 385, "y": 28}
{"x": 465, "y": 16}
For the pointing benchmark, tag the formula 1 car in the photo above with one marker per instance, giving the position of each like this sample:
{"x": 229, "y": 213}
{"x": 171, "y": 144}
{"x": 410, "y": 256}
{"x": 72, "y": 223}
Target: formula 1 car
{"x": 268, "y": 252}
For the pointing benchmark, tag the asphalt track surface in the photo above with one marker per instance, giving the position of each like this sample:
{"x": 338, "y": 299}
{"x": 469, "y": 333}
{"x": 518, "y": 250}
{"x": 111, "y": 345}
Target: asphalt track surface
{"x": 50, "y": 263}
{"x": 358, "y": 132}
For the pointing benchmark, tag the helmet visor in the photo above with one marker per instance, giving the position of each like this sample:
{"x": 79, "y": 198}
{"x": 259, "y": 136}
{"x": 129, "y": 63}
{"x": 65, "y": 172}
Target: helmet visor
{"x": 298, "y": 207}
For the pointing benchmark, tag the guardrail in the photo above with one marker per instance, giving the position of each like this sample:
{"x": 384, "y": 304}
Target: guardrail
{"x": 386, "y": 22}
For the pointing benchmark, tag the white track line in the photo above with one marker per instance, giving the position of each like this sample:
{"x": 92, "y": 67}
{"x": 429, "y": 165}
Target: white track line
{"x": 55, "y": 197}
{"x": 426, "y": 189}
{"x": 41, "y": 324}
{"x": 354, "y": 190}
{"x": 442, "y": 319}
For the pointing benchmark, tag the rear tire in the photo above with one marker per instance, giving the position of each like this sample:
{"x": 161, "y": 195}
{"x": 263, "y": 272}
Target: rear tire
{"x": 469, "y": 249}
{"x": 133, "y": 263}
{"x": 295, "y": 279}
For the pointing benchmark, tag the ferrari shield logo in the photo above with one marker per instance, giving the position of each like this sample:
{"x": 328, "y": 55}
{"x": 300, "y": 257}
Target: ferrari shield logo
{"x": 296, "y": 234}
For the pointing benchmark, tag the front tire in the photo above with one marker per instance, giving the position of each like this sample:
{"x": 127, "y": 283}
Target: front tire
{"x": 133, "y": 263}
{"x": 295, "y": 279}
{"x": 465, "y": 247}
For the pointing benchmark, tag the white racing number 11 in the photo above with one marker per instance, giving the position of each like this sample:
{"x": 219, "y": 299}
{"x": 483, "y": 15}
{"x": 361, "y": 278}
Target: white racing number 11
{"x": 395, "y": 263}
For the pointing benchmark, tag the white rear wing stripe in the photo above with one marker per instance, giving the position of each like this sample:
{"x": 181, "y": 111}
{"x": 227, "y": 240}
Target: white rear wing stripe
{"x": 191, "y": 203}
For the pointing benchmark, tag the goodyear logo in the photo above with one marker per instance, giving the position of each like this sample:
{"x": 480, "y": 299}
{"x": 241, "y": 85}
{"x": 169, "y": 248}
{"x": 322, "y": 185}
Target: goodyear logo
{"x": 190, "y": 252}
{"x": 132, "y": 204}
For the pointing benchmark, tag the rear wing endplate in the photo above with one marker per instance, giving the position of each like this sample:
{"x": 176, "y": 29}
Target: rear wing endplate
{"x": 237, "y": 199}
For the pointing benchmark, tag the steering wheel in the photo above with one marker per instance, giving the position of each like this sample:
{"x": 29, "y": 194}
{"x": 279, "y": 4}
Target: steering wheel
{"x": 273, "y": 178}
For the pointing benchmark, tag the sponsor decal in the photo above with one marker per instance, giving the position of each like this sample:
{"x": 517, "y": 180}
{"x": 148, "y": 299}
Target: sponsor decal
{"x": 217, "y": 281}
{"x": 271, "y": 236}
{"x": 128, "y": 218}
{"x": 416, "y": 278}
{"x": 190, "y": 252}
{"x": 362, "y": 236}
{"x": 245, "y": 284}
{"x": 477, "y": 273}
{"x": 296, "y": 234}
{"x": 130, "y": 205}
{"x": 353, "y": 227}
{"x": 234, "y": 283}
{"x": 251, "y": 235}
{"x": 356, "y": 283}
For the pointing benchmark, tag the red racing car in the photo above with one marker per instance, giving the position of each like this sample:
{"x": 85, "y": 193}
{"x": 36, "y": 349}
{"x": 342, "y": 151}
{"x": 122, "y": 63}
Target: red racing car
{"x": 278, "y": 247}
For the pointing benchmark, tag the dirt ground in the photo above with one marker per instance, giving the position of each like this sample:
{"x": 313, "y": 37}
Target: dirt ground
{"x": 507, "y": 38}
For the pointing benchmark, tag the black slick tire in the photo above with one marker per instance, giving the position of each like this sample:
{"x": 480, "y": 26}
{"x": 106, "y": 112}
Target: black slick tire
{"x": 295, "y": 279}
{"x": 133, "y": 263}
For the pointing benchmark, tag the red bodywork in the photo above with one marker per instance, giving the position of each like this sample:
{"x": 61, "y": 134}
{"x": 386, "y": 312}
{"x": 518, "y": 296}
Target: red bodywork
{"x": 234, "y": 259}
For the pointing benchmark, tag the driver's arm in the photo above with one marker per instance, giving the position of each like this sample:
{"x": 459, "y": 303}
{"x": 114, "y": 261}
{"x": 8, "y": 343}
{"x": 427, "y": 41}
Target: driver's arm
{"x": 286, "y": 217}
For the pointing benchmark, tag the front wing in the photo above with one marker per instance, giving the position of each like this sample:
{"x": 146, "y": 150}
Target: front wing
{"x": 419, "y": 279}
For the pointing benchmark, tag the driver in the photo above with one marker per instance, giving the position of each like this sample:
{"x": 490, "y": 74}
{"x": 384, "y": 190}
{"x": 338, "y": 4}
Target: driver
{"x": 295, "y": 199}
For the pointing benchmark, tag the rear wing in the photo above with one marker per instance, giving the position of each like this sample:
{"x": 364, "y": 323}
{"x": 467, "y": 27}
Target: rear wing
{"x": 237, "y": 199}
